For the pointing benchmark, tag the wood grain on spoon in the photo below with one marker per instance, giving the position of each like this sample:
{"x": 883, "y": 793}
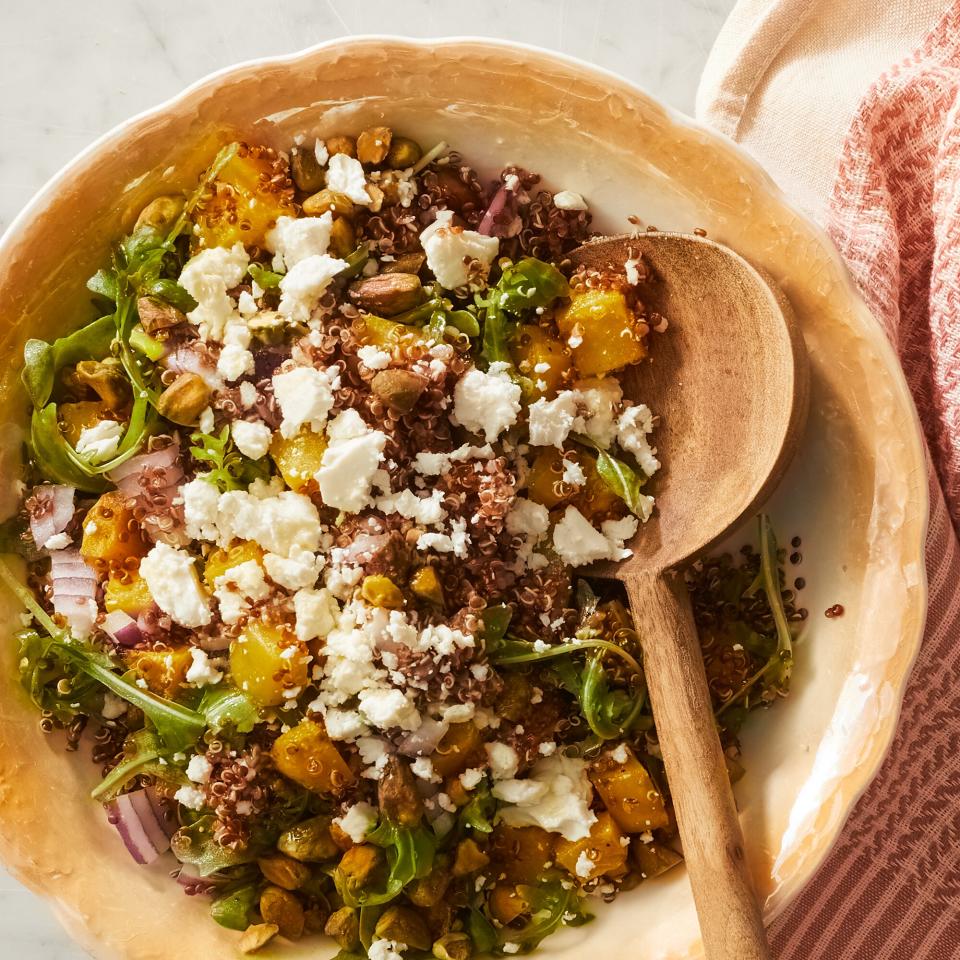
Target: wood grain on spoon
{"x": 728, "y": 380}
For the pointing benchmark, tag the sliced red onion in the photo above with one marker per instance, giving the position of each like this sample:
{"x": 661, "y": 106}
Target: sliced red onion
{"x": 496, "y": 206}
{"x": 74, "y": 590}
{"x": 55, "y": 506}
{"x": 155, "y": 459}
{"x": 153, "y": 479}
{"x": 122, "y": 628}
{"x": 193, "y": 884}
{"x": 191, "y": 358}
{"x": 163, "y": 812}
{"x": 423, "y": 741}
{"x": 137, "y": 823}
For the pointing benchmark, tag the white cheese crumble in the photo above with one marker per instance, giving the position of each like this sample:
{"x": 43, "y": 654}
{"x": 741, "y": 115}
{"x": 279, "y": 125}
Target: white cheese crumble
{"x": 620, "y": 754}
{"x": 234, "y": 362}
{"x": 435, "y": 464}
{"x": 487, "y": 403}
{"x": 252, "y": 438}
{"x": 373, "y": 357}
{"x": 426, "y": 511}
{"x": 296, "y": 238}
{"x": 597, "y": 403}
{"x": 174, "y": 585}
{"x": 357, "y": 822}
{"x": 386, "y": 708}
{"x": 562, "y": 807}
{"x": 302, "y": 285}
{"x": 100, "y": 442}
{"x": 345, "y": 175}
{"x": 568, "y": 200}
{"x": 199, "y": 769}
{"x": 633, "y": 428}
{"x": 304, "y": 397}
{"x": 207, "y": 277}
{"x": 451, "y": 251}
{"x": 349, "y": 463}
{"x": 190, "y": 797}
{"x": 456, "y": 542}
{"x": 299, "y": 570}
{"x": 248, "y": 396}
{"x": 279, "y": 521}
{"x": 573, "y": 473}
{"x": 200, "y": 499}
{"x": 471, "y": 777}
{"x": 113, "y": 706}
{"x": 503, "y": 760}
{"x": 384, "y": 949}
{"x": 316, "y": 613}
{"x": 202, "y": 672}
{"x": 422, "y": 767}
{"x": 238, "y": 588}
{"x": 584, "y": 866}
{"x": 552, "y": 420}
{"x": 578, "y": 542}
{"x": 341, "y": 724}
{"x": 58, "y": 541}
{"x": 631, "y": 268}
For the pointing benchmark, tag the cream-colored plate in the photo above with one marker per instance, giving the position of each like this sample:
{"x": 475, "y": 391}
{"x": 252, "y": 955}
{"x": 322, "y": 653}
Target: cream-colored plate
{"x": 857, "y": 493}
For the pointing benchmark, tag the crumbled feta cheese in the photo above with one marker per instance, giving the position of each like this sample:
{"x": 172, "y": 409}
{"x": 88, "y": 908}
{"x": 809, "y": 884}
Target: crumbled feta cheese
{"x": 552, "y": 420}
{"x": 374, "y": 754}
{"x": 200, "y": 499}
{"x": 577, "y": 541}
{"x": 384, "y": 949}
{"x": 547, "y": 749}
{"x": 299, "y": 570}
{"x": 174, "y": 585}
{"x": 618, "y": 532}
{"x": 563, "y": 807}
{"x": 387, "y": 708}
{"x": 435, "y": 464}
{"x": 597, "y": 402}
{"x": 503, "y": 760}
{"x": 234, "y": 361}
{"x": 199, "y": 769}
{"x": 632, "y": 270}
{"x": 633, "y": 427}
{"x": 238, "y": 588}
{"x": 343, "y": 724}
{"x": 568, "y": 200}
{"x": 252, "y": 438}
{"x": 191, "y": 798}
{"x": 357, "y": 822}
{"x": 585, "y": 866}
{"x": 296, "y": 238}
{"x": 207, "y": 277}
{"x": 510, "y": 947}
{"x": 471, "y": 777}
{"x": 458, "y": 712}
{"x": 304, "y": 397}
{"x": 100, "y": 442}
{"x": 113, "y": 706}
{"x": 58, "y": 541}
{"x": 426, "y": 511}
{"x": 201, "y": 672}
{"x": 278, "y": 521}
{"x": 573, "y": 474}
{"x": 316, "y": 613}
{"x": 349, "y": 463}
{"x": 487, "y": 403}
{"x": 373, "y": 357}
{"x": 456, "y": 542}
{"x": 246, "y": 305}
{"x": 345, "y": 175}
{"x": 320, "y": 152}
{"x": 302, "y": 285}
{"x": 422, "y": 767}
{"x": 620, "y": 754}
{"x": 519, "y": 791}
{"x": 452, "y": 251}
{"x": 248, "y": 396}
{"x": 207, "y": 420}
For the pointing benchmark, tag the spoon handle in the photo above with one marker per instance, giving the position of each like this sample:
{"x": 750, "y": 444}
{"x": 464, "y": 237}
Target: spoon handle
{"x": 731, "y": 923}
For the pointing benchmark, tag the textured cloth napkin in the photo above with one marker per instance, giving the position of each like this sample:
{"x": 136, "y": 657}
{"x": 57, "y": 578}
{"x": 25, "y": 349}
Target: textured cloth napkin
{"x": 854, "y": 107}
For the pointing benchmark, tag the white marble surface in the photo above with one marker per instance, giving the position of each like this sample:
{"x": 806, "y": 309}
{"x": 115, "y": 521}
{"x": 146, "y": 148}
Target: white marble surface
{"x": 71, "y": 71}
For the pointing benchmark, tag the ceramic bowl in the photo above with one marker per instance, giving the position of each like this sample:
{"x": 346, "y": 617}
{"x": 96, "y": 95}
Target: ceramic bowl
{"x": 856, "y": 493}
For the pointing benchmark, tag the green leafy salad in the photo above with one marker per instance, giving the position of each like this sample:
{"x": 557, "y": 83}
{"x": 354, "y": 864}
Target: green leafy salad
{"x": 304, "y": 505}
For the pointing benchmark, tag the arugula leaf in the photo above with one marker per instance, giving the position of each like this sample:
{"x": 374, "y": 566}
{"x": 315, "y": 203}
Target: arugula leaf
{"x": 143, "y": 753}
{"x": 496, "y": 621}
{"x": 551, "y": 907}
{"x": 224, "y": 706}
{"x": 172, "y": 293}
{"x": 234, "y": 908}
{"x": 195, "y": 844}
{"x": 229, "y": 469}
{"x": 620, "y": 477}
{"x": 104, "y": 284}
{"x": 478, "y": 812}
{"x": 264, "y": 278}
{"x": 410, "y": 854}
{"x": 52, "y": 453}
{"x": 482, "y": 932}
{"x": 42, "y": 669}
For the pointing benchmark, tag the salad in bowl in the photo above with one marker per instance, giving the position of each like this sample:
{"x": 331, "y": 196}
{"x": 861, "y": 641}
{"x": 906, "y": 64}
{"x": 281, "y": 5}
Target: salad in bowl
{"x": 306, "y": 528}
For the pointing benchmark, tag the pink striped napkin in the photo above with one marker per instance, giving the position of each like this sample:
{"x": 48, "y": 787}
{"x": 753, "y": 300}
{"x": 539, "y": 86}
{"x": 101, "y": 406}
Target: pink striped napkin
{"x": 891, "y": 888}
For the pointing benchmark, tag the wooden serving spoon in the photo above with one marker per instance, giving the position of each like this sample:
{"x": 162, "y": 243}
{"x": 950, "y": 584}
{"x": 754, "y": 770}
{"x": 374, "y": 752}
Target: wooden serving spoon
{"x": 729, "y": 383}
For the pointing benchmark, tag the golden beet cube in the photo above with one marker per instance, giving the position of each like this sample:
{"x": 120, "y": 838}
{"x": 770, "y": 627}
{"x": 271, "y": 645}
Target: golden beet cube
{"x": 602, "y": 854}
{"x": 507, "y": 902}
{"x": 298, "y": 457}
{"x": 595, "y": 498}
{"x": 266, "y": 661}
{"x": 545, "y": 359}
{"x": 308, "y": 756}
{"x": 460, "y": 744}
{"x": 520, "y": 854}
{"x": 629, "y": 793}
{"x": 602, "y": 332}
{"x": 245, "y": 200}
{"x": 545, "y": 483}
{"x": 110, "y": 532}
{"x": 386, "y": 334}
{"x": 220, "y": 560}
{"x": 126, "y": 591}
{"x": 164, "y": 671}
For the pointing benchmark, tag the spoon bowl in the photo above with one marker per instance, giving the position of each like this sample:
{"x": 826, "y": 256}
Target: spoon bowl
{"x": 729, "y": 383}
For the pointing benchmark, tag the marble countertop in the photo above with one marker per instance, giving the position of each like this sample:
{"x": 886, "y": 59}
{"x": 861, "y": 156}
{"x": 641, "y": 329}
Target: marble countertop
{"x": 72, "y": 71}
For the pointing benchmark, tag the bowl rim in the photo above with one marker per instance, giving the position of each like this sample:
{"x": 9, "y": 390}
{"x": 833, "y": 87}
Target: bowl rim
{"x": 886, "y": 725}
